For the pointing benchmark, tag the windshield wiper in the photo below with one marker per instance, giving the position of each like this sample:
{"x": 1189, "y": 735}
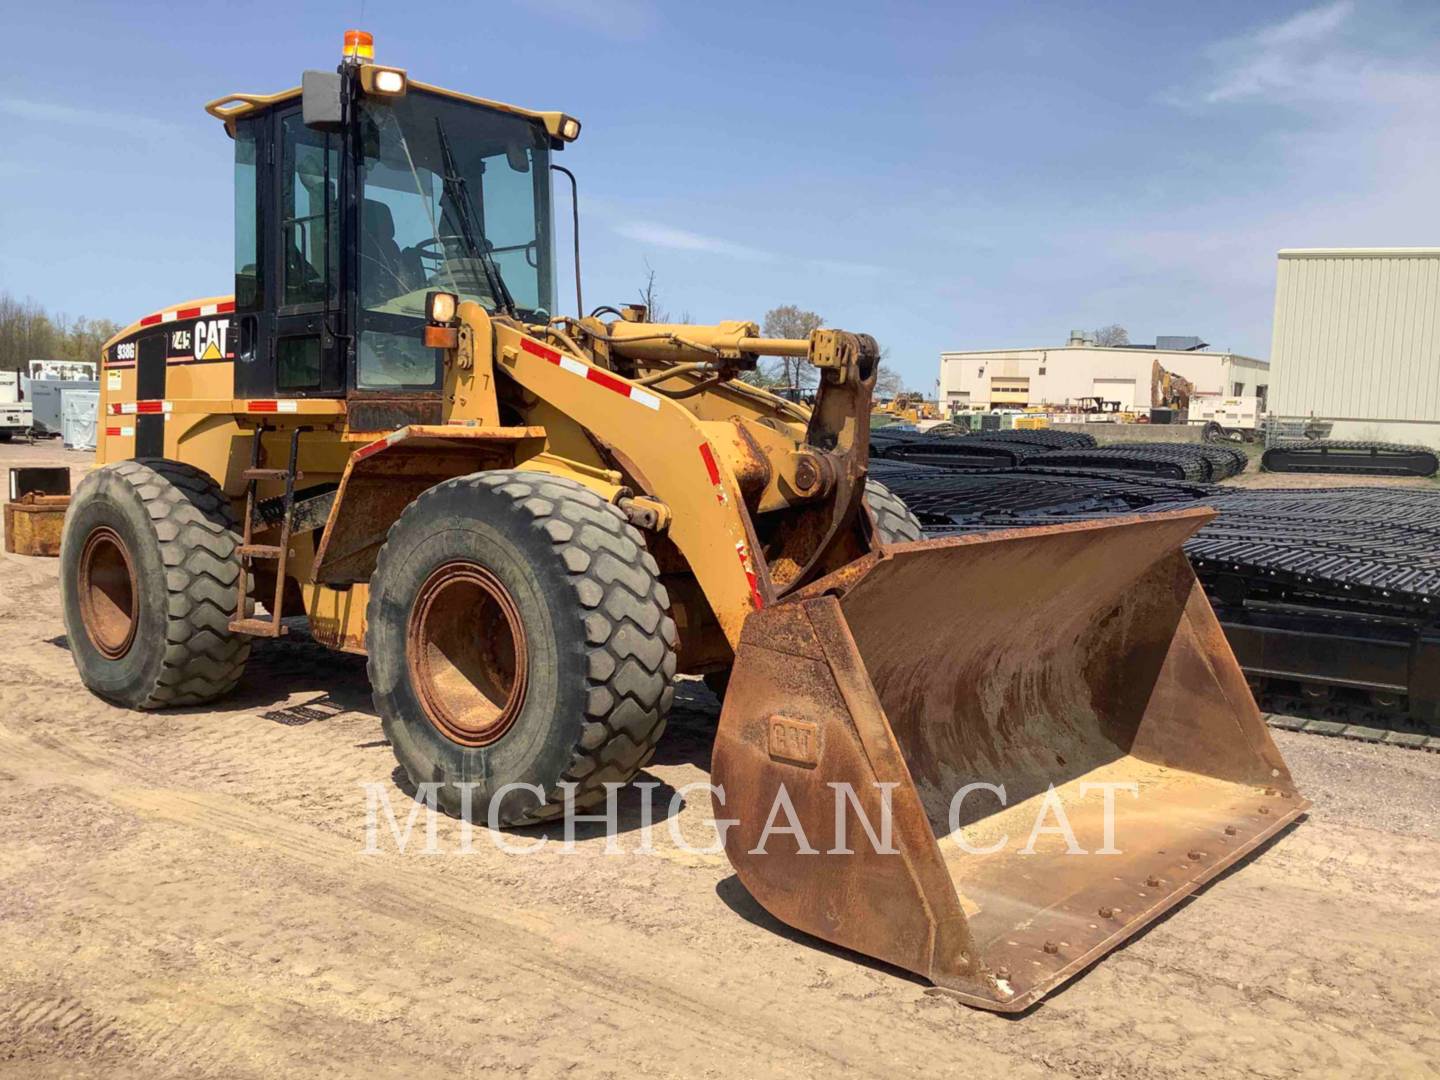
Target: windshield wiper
{"x": 474, "y": 237}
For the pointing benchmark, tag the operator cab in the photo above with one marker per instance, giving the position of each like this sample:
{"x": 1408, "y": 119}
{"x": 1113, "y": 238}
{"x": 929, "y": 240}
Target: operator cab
{"x": 358, "y": 197}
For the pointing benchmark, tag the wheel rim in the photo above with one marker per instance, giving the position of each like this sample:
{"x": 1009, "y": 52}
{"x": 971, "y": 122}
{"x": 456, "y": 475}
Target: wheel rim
{"x": 108, "y": 591}
{"x": 466, "y": 652}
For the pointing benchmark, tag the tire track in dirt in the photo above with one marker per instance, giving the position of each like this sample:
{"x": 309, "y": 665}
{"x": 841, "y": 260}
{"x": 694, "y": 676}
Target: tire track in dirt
{"x": 611, "y": 974}
{"x": 1214, "y": 951}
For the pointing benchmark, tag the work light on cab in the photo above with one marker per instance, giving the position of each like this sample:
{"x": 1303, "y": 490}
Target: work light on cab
{"x": 386, "y": 82}
{"x": 440, "y": 307}
{"x": 441, "y": 331}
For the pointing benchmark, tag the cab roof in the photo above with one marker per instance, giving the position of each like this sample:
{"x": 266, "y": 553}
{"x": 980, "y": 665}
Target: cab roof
{"x": 232, "y": 107}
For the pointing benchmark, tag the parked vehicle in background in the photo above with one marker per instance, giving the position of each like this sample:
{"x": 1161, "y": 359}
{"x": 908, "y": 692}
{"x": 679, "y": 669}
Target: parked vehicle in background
{"x": 62, "y": 369}
{"x": 44, "y": 396}
{"x": 1235, "y": 417}
{"x": 15, "y": 414}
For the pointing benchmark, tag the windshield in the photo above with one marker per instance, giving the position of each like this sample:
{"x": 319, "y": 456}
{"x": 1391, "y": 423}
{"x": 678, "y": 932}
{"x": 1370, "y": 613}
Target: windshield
{"x": 454, "y": 197}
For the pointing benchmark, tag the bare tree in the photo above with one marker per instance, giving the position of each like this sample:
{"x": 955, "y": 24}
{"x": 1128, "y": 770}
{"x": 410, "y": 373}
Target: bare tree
{"x": 766, "y": 376}
{"x": 650, "y": 297}
{"x": 789, "y": 321}
{"x": 1112, "y": 335}
{"x": 29, "y": 332}
{"x": 888, "y": 382}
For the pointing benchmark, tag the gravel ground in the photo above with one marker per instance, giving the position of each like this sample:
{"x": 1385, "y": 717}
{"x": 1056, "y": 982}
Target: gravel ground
{"x": 1380, "y": 787}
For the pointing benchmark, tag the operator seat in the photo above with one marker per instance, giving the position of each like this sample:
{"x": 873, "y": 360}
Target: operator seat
{"x": 382, "y": 265}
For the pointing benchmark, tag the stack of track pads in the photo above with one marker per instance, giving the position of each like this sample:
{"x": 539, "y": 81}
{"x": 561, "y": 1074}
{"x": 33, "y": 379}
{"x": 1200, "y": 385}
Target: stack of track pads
{"x": 1330, "y": 596}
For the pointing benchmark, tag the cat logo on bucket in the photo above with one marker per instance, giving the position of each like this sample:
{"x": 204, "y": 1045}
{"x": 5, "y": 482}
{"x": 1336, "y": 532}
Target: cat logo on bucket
{"x": 210, "y": 338}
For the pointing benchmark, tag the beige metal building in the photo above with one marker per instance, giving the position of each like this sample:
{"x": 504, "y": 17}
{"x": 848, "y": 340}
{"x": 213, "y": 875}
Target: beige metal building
{"x": 1015, "y": 378}
{"x": 1357, "y": 342}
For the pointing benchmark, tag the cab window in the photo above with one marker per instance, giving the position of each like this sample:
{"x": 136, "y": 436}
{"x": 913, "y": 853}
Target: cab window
{"x": 310, "y": 173}
{"x": 455, "y": 197}
{"x": 247, "y": 231}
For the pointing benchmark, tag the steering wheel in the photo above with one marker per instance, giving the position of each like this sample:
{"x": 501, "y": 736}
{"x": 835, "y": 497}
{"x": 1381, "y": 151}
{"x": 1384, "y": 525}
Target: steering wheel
{"x": 439, "y": 247}
{"x": 531, "y": 250}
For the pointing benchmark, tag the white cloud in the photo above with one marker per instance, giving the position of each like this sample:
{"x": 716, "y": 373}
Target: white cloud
{"x": 1277, "y": 60}
{"x": 646, "y": 232}
{"x": 54, "y": 112}
{"x": 1316, "y": 57}
{"x": 1309, "y": 25}
{"x": 1334, "y": 140}
{"x": 656, "y": 235}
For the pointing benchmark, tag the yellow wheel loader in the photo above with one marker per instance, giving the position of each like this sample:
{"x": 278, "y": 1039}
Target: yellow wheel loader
{"x": 987, "y": 760}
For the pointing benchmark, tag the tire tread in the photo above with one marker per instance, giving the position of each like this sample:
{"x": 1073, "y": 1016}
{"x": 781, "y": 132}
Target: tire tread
{"x": 199, "y": 539}
{"x": 630, "y": 638}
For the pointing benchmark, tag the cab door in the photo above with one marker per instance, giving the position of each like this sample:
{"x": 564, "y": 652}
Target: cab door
{"x": 291, "y": 331}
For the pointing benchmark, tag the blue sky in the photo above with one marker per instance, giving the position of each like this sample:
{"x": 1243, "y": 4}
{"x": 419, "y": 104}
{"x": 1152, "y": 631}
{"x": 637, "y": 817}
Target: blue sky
{"x": 966, "y": 175}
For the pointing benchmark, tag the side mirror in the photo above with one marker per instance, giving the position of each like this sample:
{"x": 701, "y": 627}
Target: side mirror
{"x": 320, "y": 100}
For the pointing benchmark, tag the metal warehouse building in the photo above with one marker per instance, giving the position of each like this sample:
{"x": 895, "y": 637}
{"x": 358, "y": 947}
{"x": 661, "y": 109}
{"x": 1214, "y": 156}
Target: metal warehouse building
{"x": 1015, "y": 378}
{"x": 1357, "y": 342}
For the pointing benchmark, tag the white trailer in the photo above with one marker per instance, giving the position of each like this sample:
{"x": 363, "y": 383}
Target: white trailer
{"x": 1235, "y": 415}
{"x": 62, "y": 369}
{"x": 15, "y": 414}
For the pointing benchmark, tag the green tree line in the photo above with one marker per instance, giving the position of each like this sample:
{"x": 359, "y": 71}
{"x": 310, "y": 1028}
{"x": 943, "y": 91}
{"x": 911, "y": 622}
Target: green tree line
{"x": 29, "y": 332}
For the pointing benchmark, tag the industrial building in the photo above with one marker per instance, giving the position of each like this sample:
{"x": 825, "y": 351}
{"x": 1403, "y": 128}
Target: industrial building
{"x": 1357, "y": 342}
{"x": 1080, "y": 370}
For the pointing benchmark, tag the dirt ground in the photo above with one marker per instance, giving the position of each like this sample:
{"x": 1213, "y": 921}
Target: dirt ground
{"x": 186, "y": 894}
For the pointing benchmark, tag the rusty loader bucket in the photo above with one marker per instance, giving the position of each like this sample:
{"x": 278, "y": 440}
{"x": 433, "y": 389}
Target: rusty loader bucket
{"x": 1066, "y": 669}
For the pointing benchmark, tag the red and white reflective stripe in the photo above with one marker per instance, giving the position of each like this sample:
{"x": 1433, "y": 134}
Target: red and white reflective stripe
{"x": 268, "y": 406}
{"x": 636, "y": 394}
{"x": 130, "y": 408}
{"x": 756, "y": 600}
{"x": 199, "y": 311}
{"x": 708, "y": 456}
{"x": 379, "y": 444}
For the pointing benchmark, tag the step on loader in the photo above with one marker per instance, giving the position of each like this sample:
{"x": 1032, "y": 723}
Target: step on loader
{"x": 986, "y": 760}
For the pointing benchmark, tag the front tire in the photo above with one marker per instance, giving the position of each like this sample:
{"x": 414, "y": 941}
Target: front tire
{"x": 518, "y": 634}
{"x": 894, "y": 523}
{"x": 149, "y": 561}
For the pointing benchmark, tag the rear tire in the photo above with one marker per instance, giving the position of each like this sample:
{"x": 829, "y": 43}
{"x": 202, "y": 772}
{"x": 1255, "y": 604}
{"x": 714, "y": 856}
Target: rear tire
{"x": 570, "y": 679}
{"x": 149, "y": 561}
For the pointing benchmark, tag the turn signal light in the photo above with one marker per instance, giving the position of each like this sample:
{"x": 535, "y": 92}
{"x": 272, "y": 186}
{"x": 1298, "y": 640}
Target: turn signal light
{"x": 442, "y": 337}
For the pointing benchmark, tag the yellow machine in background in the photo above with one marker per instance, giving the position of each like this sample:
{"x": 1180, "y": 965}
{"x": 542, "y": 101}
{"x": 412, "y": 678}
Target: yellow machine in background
{"x": 910, "y": 408}
{"x": 531, "y": 522}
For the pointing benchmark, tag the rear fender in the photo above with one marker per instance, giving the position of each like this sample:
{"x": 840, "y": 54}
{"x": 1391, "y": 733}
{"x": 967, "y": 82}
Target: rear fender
{"x": 385, "y": 476}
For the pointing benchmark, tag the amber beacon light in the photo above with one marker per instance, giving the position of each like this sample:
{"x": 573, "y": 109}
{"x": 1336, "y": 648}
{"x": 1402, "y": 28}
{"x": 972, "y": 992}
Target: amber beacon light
{"x": 359, "y": 46}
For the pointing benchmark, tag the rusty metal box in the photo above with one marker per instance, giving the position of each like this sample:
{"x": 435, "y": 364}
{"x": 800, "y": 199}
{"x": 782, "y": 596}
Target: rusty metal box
{"x": 33, "y": 524}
